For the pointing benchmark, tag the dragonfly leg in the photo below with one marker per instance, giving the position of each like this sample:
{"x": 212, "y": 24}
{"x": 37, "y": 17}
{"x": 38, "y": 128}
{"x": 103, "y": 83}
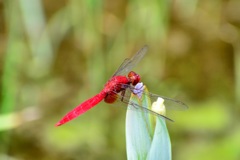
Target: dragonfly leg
{"x": 122, "y": 95}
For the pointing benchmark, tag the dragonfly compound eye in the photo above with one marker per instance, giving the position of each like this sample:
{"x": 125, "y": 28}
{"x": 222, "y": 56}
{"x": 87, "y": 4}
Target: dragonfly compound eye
{"x": 134, "y": 78}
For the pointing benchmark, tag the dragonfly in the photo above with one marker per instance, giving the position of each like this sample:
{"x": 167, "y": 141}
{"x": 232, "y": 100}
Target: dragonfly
{"x": 118, "y": 86}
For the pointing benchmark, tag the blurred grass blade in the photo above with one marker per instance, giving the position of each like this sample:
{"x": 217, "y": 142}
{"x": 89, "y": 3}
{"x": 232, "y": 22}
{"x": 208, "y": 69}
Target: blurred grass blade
{"x": 15, "y": 119}
{"x": 39, "y": 40}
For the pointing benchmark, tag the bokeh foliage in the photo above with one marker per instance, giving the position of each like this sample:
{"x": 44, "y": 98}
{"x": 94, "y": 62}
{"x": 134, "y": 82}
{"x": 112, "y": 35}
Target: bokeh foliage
{"x": 55, "y": 54}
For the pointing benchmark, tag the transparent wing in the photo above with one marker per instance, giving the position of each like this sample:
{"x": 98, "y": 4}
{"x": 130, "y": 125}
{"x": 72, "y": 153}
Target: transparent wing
{"x": 137, "y": 107}
{"x": 170, "y": 104}
{"x": 124, "y": 101}
{"x": 128, "y": 64}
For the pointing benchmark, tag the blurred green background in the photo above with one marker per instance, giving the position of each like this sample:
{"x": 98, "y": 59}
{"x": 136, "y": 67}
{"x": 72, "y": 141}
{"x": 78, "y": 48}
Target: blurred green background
{"x": 56, "y": 54}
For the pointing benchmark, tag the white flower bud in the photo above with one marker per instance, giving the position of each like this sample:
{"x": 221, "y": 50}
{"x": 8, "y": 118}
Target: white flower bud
{"x": 159, "y": 107}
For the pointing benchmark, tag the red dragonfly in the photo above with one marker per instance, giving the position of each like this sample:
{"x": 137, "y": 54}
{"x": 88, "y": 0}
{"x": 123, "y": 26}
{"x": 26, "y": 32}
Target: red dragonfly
{"x": 116, "y": 87}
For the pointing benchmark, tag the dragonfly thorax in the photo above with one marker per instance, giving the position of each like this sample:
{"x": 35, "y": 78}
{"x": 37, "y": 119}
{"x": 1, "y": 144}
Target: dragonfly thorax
{"x": 116, "y": 84}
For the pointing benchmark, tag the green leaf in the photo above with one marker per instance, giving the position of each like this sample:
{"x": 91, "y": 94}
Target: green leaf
{"x": 161, "y": 144}
{"x": 138, "y": 129}
{"x": 142, "y": 143}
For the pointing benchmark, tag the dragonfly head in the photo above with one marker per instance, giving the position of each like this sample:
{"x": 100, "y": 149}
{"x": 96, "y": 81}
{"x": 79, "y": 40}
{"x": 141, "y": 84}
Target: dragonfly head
{"x": 134, "y": 78}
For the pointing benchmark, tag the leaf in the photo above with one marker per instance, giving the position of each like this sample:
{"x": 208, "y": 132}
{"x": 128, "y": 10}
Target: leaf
{"x": 138, "y": 129}
{"x": 161, "y": 144}
{"x": 142, "y": 143}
